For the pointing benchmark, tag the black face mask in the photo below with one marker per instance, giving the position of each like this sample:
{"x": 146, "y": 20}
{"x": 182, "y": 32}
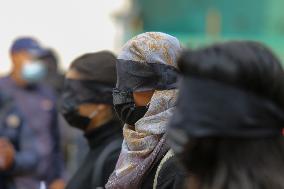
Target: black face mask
{"x": 129, "y": 113}
{"x": 125, "y": 107}
{"x": 133, "y": 76}
{"x": 76, "y": 120}
{"x": 71, "y": 100}
{"x": 71, "y": 114}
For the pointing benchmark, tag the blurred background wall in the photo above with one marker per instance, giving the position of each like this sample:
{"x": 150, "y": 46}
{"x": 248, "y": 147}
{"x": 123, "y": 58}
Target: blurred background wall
{"x": 73, "y": 27}
{"x": 199, "y": 22}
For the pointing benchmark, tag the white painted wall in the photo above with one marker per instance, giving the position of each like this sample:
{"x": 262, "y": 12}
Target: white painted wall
{"x": 72, "y": 27}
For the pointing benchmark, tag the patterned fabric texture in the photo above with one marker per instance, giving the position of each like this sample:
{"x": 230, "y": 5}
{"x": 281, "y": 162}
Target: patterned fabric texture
{"x": 144, "y": 143}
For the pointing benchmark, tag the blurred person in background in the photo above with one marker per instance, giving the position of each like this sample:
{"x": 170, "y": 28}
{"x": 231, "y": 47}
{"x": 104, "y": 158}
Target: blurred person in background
{"x": 227, "y": 128}
{"x": 36, "y": 102}
{"x": 144, "y": 99}
{"x": 73, "y": 144}
{"x": 18, "y": 154}
{"x": 87, "y": 105}
{"x": 53, "y": 77}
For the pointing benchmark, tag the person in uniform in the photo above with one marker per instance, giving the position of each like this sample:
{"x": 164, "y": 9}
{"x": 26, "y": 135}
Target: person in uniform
{"x": 18, "y": 154}
{"x": 36, "y": 102}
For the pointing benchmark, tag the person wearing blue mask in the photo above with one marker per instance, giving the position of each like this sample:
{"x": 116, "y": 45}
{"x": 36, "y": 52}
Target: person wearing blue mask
{"x": 37, "y": 104}
{"x": 27, "y": 67}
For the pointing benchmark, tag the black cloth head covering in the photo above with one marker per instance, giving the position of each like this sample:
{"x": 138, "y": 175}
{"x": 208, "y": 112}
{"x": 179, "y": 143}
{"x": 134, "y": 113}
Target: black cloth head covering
{"x": 97, "y": 78}
{"x": 99, "y": 66}
{"x": 230, "y": 90}
{"x": 137, "y": 76}
{"x": 207, "y": 108}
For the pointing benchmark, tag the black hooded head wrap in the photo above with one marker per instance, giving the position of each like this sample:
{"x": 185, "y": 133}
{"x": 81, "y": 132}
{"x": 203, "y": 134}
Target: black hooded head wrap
{"x": 96, "y": 78}
{"x": 234, "y": 89}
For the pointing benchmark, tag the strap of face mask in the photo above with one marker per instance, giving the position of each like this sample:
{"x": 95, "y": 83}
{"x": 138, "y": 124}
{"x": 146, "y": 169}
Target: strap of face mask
{"x": 137, "y": 76}
{"x": 122, "y": 97}
{"x": 208, "y": 108}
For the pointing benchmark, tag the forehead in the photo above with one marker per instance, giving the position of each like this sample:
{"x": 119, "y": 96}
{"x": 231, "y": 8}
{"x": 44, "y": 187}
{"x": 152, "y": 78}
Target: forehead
{"x": 23, "y": 54}
{"x": 73, "y": 74}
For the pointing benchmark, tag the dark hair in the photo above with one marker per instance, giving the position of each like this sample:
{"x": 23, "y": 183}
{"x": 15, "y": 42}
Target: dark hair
{"x": 237, "y": 163}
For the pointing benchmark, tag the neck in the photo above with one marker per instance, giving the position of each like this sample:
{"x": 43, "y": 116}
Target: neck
{"x": 193, "y": 182}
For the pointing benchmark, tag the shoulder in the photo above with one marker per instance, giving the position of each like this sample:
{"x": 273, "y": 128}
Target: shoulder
{"x": 8, "y": 105}
{"x": 170, "y": 174}
{"x": 112, "y": 151}
{"x": 5, "y": 81}
{"x": 47, "y": 92}
{"x": 47, "y": 98}
{"x": 110, "y": 158}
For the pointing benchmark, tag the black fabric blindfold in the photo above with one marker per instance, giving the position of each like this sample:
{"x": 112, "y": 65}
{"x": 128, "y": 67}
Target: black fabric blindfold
{"x": 87, "y": 91}
{"x": 137, "y": 76}
{"x": 122, "y": 97}
{"x": 208, "y": 108}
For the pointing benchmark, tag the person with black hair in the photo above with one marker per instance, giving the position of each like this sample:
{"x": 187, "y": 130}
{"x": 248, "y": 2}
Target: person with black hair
{"x": 87, "y": 105}
{"x": 227, "y": 128}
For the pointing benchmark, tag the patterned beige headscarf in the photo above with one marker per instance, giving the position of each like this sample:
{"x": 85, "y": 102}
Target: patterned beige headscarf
{"x": 144, "y": 143}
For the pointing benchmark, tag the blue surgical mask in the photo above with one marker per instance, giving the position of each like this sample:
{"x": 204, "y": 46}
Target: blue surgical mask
{"x": 33, "y": 71}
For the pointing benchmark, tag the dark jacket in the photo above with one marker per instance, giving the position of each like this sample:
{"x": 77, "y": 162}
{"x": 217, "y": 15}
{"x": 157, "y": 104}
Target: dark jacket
{"x": 168, "y": 173}
{"x": 37, "y": 104}
{"x": 14, "y": 128}
{"x": 105, "y": 145}
{"x": 171, "y": 175}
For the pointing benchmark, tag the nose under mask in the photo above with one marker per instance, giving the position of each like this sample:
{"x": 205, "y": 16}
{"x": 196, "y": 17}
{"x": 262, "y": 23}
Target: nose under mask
{"x": 125, "y": 107}
{"x": 129, "y": 113}
{"x": 33, "y": 72}
{"x": 76, "y": 120}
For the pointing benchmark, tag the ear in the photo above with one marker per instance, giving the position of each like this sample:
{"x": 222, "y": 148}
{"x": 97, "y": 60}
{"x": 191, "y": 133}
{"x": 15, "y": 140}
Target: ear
{"x": 102, "y": 107}
{"x": 15, "y": 57}
{"x": 73, "y": 74}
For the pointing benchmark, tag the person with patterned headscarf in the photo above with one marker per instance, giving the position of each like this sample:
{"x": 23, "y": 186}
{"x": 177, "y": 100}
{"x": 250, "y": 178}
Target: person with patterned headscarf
{"x": 144, "y": 99}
